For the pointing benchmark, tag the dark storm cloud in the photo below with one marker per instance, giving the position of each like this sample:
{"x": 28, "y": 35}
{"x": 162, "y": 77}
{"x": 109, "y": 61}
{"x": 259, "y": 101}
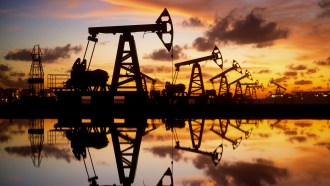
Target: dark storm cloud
{"x": 49, "y": 54}
{"x": 312, "y": 70}
{"x": 323, "y": 62}
{"x": 252, "y": 29}
{"x": 164, "y": 151}
{"x": 257, "y": 173}
{"x": 324, "y": 144}
{"x": 8, "y": 82}
{"x": 324, "y": 4}
{"x": 318, "y": 88}
{"x": 303, "y": 82}
{"x": 203, "y": 44}
{"x": 303, "y": 124}
{"x": 12, "y": 127}
{"x": 290, "y": 132}
{"x": 193, "y": 22}
{"x": 20, "y": 82}
{"x": 325, "y": 7}
{"x": 47, "y": 152}
{"x": 22, "y": 151}
{"x": 298, "y": 67}
{"x": 52, "y": 54}
{"x": 4, "y": 137}
{"x": 19, "y": 55}
{"x": 311, "y": 135}
{"x": 281, "y": 79}
{"x": 164, "y": 55}
{"x": 290, "y": 73}
{"x": 299, "y": 139}
{"x": 4, "y": 68}
{"x": 53, "y": 151}
{"x": 265, "y": 71}
{"x": 202, "y": 162}
{"x": 264, "y": 135}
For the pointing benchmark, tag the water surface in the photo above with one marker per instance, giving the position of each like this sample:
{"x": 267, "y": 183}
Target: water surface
{"x": 198, "y": 151}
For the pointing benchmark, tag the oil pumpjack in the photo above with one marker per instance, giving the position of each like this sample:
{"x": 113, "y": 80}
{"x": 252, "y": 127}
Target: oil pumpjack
{"x": 224, "y": 85}
{"x": 127, "y": 79}
{"x": 250, "y": 92}
{"x": 238, "y": 96}
{"x": 127, "y": 58}
{"x": 279, "y": 89}
{"x": 196, "y": 84}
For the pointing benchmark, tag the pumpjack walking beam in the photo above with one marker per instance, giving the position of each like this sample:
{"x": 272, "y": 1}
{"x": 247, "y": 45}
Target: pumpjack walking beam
{"x": 196, "y": 84}
{"x": 162, "y": 27}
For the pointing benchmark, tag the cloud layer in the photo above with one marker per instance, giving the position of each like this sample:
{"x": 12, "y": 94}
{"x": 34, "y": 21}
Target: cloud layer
{"x": 252, "y": 29}
{"x": 50, "y": 55}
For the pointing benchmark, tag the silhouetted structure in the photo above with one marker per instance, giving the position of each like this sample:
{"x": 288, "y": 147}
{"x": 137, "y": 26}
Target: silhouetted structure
{"x": 196, "y": 84}
{"x": 36, "y": 137}
{"x": 250, "y": 92}
{"x": 238, "y": 96}
{"x": 224, "y": 85}
{"x": 126, "y": 139}
{"x": 36, "y": 75}
{"x": 279, "y": 89}
{"x": 196, "y": 128}
{"x": 168, "y": 173}
{"x": 126, "y": 57}
{"x": 222, "y": 131}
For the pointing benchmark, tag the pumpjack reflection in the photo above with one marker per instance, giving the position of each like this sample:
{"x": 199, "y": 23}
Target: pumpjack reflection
{"x": 196, "y": 128}
{"x": 36, "y": 137}
{"x": 222, "y": 130}
{"x": 127, "y": 133}
{"x": 84, "y": 137}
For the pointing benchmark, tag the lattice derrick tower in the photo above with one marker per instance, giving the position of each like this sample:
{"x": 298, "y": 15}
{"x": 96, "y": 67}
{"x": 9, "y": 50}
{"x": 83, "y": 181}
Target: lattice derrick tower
{"x": 36, "y": 75}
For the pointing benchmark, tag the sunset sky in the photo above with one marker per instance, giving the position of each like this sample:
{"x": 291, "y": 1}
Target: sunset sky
{"x": 284, "y": 40}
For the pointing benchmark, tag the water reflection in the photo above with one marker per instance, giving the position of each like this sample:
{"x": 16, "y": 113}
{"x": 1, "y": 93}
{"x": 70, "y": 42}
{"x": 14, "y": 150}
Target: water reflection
{"x": 167, "y": 151}
{"x": 196, "y": 128}
{"x": 36, "y": 137}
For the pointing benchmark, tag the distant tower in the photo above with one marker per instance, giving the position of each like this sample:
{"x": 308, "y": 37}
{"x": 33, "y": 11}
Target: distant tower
{"x": 36, "y": 75}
